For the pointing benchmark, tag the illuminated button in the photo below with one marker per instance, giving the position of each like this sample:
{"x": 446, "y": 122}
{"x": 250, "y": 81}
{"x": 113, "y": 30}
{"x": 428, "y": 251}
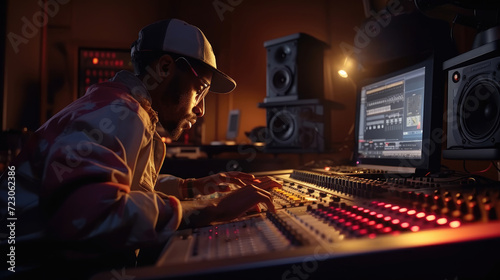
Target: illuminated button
{"x": 405, "y": 225}
{"x": 441, "y": 221}
{"x": 411, "y": 212}
{"x": 430, "y": 218}
{"x": 455, "y": 224}
{"x": 420, "y": 215}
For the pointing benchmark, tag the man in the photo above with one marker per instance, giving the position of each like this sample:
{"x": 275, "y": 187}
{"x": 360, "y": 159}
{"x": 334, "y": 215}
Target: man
{"x": 87, "y": 184}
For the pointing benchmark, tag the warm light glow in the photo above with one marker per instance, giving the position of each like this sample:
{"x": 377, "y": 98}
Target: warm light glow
{"x": 411, "y": 212}
{"x": 430, "y": 218}
{"x": 405, "y": 225}
{"x": 166, "y": 140}
{"x": 441, "y": 221}
{"x": 95, "y": 60}
{"x": 415, "y": 228}
{"x": 327, "y": 168}
{"x": 343, "y": 73}
{"x": 421, "y": 215}
{"x": 454, "y": 224}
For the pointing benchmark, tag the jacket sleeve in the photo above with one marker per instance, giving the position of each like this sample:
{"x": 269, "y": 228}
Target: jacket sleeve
{"x": 87, "y": 184}
{"x": 170, "y": 185}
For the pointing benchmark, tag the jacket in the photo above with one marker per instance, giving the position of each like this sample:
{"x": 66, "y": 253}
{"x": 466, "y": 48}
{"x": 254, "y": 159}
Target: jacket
{"x": 89, "y": 177}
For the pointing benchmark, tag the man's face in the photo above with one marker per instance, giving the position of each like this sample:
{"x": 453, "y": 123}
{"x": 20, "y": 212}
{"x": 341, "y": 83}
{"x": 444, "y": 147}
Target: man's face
{"x": 178, "y": 108}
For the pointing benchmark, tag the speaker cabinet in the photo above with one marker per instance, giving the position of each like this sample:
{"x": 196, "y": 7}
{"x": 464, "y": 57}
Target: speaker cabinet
{"x": 296, "y": 128}
{"x": 294, "y": 68}
{"x": 473, "y": 124}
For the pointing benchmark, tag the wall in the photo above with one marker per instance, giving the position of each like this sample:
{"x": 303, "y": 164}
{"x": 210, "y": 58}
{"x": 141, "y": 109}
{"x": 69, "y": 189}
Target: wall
{"x": 237, "y": 30}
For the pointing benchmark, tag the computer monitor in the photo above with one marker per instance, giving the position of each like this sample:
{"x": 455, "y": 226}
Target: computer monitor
{"x": 399, "y": 118}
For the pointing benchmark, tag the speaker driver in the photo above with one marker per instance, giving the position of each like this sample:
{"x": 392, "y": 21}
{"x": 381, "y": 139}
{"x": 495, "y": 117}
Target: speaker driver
{"x": 479, "y": 115}
{"x": 282, "y": 126}
{"x": 282, "y": 53}
{"x": 281, "y": 80}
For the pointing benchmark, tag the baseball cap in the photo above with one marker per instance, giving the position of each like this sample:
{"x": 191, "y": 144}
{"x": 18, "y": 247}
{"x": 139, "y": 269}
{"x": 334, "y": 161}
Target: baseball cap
{"x": 179, "y": 37}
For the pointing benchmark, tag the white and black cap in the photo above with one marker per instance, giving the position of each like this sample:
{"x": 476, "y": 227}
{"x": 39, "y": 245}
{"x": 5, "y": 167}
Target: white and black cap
{"x": 179, "y": 37}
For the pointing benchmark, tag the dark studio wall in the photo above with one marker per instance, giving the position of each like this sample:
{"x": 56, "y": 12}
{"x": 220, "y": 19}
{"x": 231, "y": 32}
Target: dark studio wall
{"x": 41, "y": 65}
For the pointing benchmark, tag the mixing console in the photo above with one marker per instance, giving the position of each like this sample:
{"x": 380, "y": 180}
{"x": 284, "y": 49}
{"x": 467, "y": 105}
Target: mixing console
{"x": 345, "y": 223}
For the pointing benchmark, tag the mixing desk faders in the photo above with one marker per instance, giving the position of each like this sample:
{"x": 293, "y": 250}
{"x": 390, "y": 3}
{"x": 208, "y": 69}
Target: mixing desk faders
{"x": 349, "y": 225}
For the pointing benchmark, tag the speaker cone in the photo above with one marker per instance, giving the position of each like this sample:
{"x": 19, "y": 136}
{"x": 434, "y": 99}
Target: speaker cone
{"x": 282, "y": 126}
{"x": 479, "y": 114}
{"x": 281, "y": 80}
{"x": 282, "y": 53}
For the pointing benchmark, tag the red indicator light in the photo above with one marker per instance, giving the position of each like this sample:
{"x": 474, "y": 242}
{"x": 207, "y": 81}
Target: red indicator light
{"x": 379, "y": 216}
{"x": 388, "y": 206}
{"x": 395, "y": 221}
{"x": 372, "y": 235}
{"x": 454, "y": 224}
{"x": 415, "y": 228}
{"x": 395, "y": 208}
{"x": 387, "y": 218}
{"x": 363, "y": 231}
{"x": 371, "y": 223}
{"x": 355, "y": 227}
{"x": 411, "y": 212}
{"x": 421, "y": 215}
{"x": 379, "y": 226}
{"x": 430, "y": 218}
{"x": 402, "y": 210}
{"x": 380, "y": 203}
{"x": 441, "y": 221}
{"x": 373, "y": 213}
{"x": 387, "y": 230}
{"x": 95, "y": 60}
{"x": 405, "y": 225}
{"x": 365, "y": 220}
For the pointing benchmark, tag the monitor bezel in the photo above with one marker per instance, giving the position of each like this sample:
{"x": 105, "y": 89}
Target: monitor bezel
{"x": 432, "y": 134}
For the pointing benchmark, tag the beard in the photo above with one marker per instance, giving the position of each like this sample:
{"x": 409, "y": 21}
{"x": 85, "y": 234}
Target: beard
{"x": 178, "y": 113}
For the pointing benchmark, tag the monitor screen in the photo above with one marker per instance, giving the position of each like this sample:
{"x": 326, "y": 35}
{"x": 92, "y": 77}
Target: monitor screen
{"x": 399, "y": 118}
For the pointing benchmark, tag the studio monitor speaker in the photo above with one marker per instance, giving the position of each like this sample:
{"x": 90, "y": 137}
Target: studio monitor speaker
{"x": 294, "y": 68}
{"x": 473, "y": 118}
{"x": 296, "y": 128}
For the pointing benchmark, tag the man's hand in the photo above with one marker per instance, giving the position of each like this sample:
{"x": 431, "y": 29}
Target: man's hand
{"x": 222, "y": 182}
{"x": 226, "y": 208}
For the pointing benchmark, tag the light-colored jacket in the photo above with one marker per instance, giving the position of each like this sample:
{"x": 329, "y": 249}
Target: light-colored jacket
{"x": 90, "y": 175}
